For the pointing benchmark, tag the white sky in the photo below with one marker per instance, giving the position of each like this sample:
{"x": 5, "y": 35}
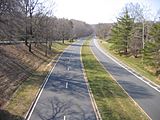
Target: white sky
{"x": 97, "y": 11}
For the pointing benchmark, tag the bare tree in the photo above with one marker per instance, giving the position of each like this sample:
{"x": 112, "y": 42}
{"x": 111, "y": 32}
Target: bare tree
{"x": 102, "y": 30}
{"x": 81, "y": 29}
{"x": 11, "y": 19}
{"x": 64, "y": 28}
{"x": 140, "y": 32}
{"x": 30, "y": 6}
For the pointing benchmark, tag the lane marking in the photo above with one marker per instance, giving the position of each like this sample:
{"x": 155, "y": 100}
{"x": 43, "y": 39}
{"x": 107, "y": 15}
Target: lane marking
{"x": 148, "y": 83}
{"x": 34, "y": 103}
{"x": 66, "y": 84}
{"x": 64, "y": 117}
{"x": 68, "y": 68}
{"x": 121, "y": 86}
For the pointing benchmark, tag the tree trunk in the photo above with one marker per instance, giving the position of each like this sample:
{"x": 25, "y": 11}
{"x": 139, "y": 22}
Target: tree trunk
{"x": 46, "y": 49}
{"x": 31, "y": 33}
{"x": 125, "y": 51}
{"x": 50, "y": 45}
{"x": 126, "y": 46}
{"x": 30, "y": 47}
{"x": 26, "y": 42}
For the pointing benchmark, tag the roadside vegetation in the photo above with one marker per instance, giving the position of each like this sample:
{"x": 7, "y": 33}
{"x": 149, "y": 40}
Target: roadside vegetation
{"x": 134, "y": 63}
{"x": 30, "y": 37}
{"x": 135, "y": 41}
{"x": 113, "y": 103}
{"x": 22, "y": 98}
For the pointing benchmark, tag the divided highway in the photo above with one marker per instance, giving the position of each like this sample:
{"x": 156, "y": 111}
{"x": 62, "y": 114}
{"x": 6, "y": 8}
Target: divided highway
{"x": 146, "y": 96}
{"x": 65, "y": 95}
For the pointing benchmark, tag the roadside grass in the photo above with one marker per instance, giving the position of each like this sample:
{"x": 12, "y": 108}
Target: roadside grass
{"x": 134, "y": 63}
{"x": 26, "y": 93}
{"x": 58, "y": 46}
{"x": 113, "y": 103}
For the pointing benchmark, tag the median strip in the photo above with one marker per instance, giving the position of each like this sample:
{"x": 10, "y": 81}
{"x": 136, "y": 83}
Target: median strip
{"x": 112, "y": 101}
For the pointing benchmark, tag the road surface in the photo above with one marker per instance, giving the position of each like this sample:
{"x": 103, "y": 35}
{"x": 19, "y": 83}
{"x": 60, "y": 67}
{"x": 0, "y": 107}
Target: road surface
{"x": 65, "y": 95}
{"x": 146, "y": 96}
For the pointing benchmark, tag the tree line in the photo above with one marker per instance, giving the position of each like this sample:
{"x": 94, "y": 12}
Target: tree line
{"x": 102, "y": 30}
{"x": 134, "y": 35}
{"x": 31, "y": 21}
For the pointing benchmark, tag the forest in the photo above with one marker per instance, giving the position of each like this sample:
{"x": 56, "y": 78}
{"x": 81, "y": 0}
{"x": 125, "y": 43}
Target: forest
{"x": 31, "y": 21}
{"x": 30, "y": 37}
{"x": 134, "y": 35}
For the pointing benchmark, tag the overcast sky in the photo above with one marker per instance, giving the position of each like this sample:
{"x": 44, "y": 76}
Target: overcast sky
{"x": 97, "y": 11}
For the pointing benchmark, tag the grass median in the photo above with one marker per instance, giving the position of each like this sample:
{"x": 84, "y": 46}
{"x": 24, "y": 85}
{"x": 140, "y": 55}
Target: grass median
{"x": 113, "y": 103}
{"x": 19, "y": 104}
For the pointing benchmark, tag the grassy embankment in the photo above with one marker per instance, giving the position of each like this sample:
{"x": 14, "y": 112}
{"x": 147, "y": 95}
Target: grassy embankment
{"x": 134, "y": 63}
{"x": 26, "y": 92}
{"x": 113, "y": 103}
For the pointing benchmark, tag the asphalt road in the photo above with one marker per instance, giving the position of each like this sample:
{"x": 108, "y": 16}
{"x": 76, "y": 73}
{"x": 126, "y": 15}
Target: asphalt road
{"x": 146, "y": 96}
{"x": 65, "y": 95}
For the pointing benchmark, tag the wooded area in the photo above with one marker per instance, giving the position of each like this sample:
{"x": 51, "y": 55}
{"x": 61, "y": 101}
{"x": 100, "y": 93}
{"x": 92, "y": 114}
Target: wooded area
{"x": 31, "y": 21}
{"x": 32, "y": 39}
{"x": 134, "y": 35}
{"x": 28, "y": 31}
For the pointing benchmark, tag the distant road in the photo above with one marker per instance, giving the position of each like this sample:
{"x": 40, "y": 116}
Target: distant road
{"x": 65, "y": 95}
{"x": 6, "y": 42}
{"x": 12, "y": 42}
{"x": 146, "y": 96}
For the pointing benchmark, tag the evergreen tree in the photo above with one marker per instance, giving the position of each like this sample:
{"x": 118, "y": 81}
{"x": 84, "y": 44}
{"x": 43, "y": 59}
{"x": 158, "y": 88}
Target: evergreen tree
{"x": 152, "y": 48}
{"x": 121, "y": 33}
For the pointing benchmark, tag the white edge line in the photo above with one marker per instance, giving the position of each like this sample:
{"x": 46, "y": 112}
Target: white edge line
{"x": 121, "y": 86}
{"x": 66, "y": 84}
{"x": 141, "y": 78}
{"x": 33, "y": 105}
{"x": 95, "y": 108}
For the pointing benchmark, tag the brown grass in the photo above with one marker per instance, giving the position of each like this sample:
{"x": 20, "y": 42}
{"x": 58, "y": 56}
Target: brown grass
{"x": 21, "y": 75}
{"x": 16, "y": 65}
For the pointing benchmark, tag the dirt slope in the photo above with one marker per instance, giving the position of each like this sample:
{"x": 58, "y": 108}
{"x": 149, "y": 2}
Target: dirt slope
{"x": 16, "y": 64}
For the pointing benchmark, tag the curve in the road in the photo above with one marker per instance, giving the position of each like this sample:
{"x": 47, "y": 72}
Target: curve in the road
{"x": 144, "y": 95}
{"x": 65, "y": 94}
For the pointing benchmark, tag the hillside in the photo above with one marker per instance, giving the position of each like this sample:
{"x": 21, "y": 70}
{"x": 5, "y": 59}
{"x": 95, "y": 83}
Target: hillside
{"x": 17, "y": 64}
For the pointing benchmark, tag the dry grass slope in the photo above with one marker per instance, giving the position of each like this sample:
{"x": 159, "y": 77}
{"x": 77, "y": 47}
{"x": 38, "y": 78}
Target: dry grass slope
{"x": 16, "y": 65}
{"x": 21, "y": 75}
